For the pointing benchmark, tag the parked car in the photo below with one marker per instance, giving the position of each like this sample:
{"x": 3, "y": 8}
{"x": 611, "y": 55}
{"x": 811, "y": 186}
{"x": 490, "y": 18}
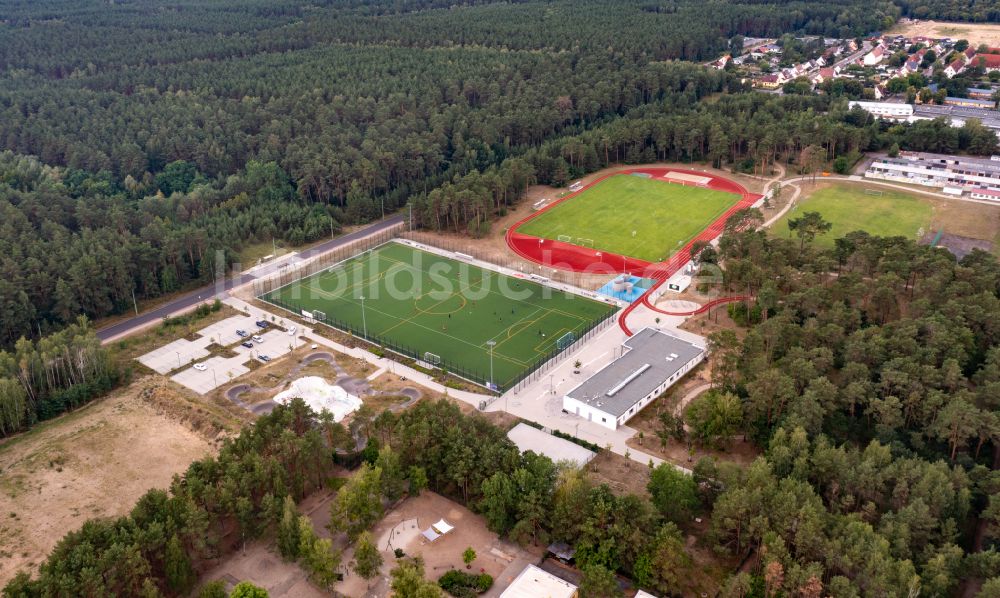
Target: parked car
{"x": 247, "y": 344}
{"x": 258, "y": 339}
{"x": 241, "y": 333}
{"x": 201, "y": 367}
{"x": 291, "y": 331}
{"x": 262, "y": 324}
{"x": 264, "y": 358}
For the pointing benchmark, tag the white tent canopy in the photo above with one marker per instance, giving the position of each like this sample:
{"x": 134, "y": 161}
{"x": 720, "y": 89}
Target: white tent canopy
{"x": 430, "y": 534}
{"x": 437, "y": 530}
{"x": 442, "y": 527}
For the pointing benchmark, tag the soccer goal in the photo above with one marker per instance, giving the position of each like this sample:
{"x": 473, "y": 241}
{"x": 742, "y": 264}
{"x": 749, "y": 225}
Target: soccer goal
{"x": 432, "y": 359}
{"x": 875, "y": 192}
{"x": 565, "y": 340}
{"x": 585, "y": 242}
{"x": 565, "y": 238}
{"x": 319, "y": 316}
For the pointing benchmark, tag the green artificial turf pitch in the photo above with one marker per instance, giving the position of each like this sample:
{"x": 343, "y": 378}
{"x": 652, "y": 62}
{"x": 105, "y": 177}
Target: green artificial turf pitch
{"x": 663, "y": 215}
{"x": 849, "y": 208}
{"x": 418, "y": 302}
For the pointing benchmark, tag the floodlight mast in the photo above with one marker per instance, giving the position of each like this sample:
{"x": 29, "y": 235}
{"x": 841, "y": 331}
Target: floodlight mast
{"x": 364, "y": 322}
{"x": 491, "y": 344}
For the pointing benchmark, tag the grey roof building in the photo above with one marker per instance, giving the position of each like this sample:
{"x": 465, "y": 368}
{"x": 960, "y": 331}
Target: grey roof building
{"x": 651, "y": 361}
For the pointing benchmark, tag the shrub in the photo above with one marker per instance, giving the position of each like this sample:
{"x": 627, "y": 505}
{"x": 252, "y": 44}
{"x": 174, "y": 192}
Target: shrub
{"x": 465, "y": 585}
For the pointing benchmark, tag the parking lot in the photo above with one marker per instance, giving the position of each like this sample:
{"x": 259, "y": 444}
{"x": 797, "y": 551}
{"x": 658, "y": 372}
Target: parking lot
{"x": 222, "y": 370}
{"x": 224, "y": 333}
{"x": 173, "y": 355}
{"x": 218, "y": 370}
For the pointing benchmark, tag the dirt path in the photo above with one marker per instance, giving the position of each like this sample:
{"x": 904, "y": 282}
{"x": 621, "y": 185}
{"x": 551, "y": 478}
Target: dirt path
{"x": 690, "y": 396}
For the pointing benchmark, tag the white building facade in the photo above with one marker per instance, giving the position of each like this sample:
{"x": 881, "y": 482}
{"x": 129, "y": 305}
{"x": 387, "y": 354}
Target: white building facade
{"x": 651, "y": 362}
{"x": 937, "y": 170}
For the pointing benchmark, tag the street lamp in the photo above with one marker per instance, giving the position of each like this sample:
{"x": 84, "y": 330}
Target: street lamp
{"x": 364, "y": 322}
{"x": 178, "y": 358}
{"x": 214, "y": 380}
{"x": 491, "y": 344}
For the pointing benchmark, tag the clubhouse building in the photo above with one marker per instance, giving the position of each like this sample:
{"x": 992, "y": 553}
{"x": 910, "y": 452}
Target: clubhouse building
{"x": 651, "y": 362}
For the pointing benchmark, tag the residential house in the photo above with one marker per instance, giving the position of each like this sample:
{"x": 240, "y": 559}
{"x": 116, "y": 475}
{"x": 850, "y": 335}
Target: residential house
{"x": 772, "y": 81}
{"x": 954, "y": 68}
{"x": 989, "y": 62}
{"x": 874, "y": 57}
{"x": 822, "y": 75}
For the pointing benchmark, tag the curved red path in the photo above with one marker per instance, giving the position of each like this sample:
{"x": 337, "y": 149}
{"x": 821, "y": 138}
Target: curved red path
{"x": 566, "y": 256}
{"x": 701, "y": 308}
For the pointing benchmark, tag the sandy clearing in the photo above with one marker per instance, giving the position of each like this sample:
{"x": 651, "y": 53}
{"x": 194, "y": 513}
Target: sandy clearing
{"x": 976, "y": 33}
{"x": 95, "y": 462}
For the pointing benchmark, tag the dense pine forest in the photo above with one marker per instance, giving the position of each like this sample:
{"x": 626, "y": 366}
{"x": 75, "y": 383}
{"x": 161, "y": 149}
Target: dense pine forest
{"x": 951, "y": 10}
{"x": 867, "y": 373}
{"x": 144, "y": 144}
{"x": 146, "y": 140}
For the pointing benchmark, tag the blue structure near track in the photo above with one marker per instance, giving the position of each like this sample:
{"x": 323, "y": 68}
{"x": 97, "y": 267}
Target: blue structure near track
{"x": 626, "y": 287}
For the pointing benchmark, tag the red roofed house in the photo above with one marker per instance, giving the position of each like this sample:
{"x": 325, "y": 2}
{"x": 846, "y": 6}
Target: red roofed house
{"x": 954, "y": 68}
{"x": 969, "y": 53}
{"x": 823, "y": 75}
{"x": 989, "y": 62}
{"x": 875, "y": 56}
{"x": 769, "y": 81}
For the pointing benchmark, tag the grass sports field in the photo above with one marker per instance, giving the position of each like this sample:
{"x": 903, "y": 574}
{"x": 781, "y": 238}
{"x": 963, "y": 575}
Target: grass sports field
{"x": 849, "y": 208}
{"x": 421, "y": 302}
{"x": 663, "y": 216}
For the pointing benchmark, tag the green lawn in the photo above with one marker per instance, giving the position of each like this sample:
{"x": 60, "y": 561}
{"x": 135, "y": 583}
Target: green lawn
{"x": 849, "y": 208}
{"x": 418, "y": 302}
{"x": 664, "y": 216}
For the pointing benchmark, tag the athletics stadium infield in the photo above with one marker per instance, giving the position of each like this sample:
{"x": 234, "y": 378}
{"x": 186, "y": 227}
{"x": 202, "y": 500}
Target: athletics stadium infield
{"x": 666, "y": 208}
{"x": 417, "y": 302}
{"x": 569, "y": 256}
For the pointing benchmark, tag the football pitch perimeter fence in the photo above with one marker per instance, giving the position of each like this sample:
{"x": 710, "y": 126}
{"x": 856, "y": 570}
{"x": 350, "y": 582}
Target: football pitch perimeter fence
{"x": 531, "y": 373}
{"x": 458, "y": 332}
{"x": 286, "y": 276}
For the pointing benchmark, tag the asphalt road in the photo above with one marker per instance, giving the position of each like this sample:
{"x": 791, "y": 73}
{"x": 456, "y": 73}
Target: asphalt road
{"x": 211, "y": 291}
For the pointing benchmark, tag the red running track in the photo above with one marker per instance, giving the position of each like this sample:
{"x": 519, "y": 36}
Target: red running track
{"x": 566, "y": 256}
